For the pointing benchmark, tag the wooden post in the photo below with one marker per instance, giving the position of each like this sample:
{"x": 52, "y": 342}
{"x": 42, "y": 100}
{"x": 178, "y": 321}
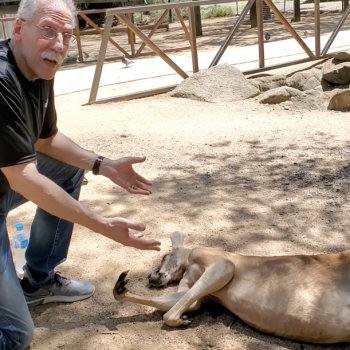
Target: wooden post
{"x": 100, "y": 31}
{"x": 290, "y": 29}
{"x": 198, "y": 19}
{"x": 296, "y": 17}
{"x": 3, "y": 28}
{"x": 170, "y": 14}
{"x": 77, "y": 34}
{"x": 259, "y": 13}
{"x": 178, "y": 14}
{"x": 231, "y": 34}
{"x": 191, "y": 16}
{"x": 131, "y": 35}
{"x": 252, "y": 14}
{"x": 151, "y": 45}
{"x": 101, "y": 58}
{"x": 155, "y": 27}
{"x": 317, "y": 28}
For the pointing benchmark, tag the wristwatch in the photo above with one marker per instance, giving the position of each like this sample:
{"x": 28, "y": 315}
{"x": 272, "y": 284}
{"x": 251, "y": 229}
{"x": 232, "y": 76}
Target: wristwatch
{"x": 96, "y": 167}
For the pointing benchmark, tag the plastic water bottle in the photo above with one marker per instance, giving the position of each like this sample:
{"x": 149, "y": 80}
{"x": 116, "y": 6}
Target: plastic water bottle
{"x": 20, "y": 244}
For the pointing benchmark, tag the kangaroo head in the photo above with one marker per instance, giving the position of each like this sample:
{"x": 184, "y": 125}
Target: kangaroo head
{"x": 173, "y": 264}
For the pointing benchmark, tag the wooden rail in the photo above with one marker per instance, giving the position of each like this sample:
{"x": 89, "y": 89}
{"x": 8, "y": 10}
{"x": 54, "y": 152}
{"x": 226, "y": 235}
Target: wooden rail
{"x": 125, "y": 14}
{"x": 83, "y": 14}
{"x": 97, "y": 30}
{"x": 122, "y": 13}
{"x": 7, "y": 19}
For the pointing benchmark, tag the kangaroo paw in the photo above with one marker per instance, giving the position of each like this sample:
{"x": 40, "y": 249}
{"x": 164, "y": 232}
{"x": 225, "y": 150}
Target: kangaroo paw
{"x": 120, "y": 289}
{"x": 176, "y": 322}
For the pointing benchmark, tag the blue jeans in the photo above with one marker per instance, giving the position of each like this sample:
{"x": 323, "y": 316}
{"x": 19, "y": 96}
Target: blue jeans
{"x": 48, "y": 247}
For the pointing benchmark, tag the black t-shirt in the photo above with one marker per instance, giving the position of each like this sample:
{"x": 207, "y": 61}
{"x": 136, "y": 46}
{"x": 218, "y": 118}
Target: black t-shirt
{"x": 27, "y": 113}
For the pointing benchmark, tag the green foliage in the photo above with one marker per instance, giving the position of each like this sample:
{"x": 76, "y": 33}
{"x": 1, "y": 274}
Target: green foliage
{"x": 217, "y": 11}
{"x": 207, "y": 12}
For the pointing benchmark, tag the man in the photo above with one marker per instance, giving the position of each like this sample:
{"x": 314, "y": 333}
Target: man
{"x": 38, "y": 163}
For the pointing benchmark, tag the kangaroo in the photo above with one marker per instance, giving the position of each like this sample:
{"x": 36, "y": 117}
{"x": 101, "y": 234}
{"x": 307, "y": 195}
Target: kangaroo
{"x": 297, "y": 297}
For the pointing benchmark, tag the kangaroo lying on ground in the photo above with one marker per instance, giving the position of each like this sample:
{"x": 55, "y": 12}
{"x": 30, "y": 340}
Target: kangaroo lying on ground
{"x": 301, "y": 297}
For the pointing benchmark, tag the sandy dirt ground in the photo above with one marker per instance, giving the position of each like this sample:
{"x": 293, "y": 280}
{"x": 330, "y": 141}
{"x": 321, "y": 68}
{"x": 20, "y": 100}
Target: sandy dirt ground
{"x": 248, "y": 178}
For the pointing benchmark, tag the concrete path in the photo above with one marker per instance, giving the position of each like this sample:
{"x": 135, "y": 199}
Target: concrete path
{"x": 244, "y": 58}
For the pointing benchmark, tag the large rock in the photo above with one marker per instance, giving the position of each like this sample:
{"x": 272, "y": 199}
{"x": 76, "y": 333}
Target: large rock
{"x": 305, "y": 80}
{"x": 279, "y": 95}
{"x": 269, "y": 82}
{"x": 221, "y": 83}
{"x": 307, "y": 101}
{"x": 340, "y": 100}
{"x": 342, "y": 56}
{"x": 337, "y": 73}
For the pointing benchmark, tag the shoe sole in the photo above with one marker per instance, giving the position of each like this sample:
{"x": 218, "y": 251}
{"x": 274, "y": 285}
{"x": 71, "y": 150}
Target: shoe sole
{"x": 57, "y": 299}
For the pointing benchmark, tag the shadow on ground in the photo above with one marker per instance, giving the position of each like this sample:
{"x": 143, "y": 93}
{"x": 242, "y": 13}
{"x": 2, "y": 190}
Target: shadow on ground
{"x": 256, "y": 198}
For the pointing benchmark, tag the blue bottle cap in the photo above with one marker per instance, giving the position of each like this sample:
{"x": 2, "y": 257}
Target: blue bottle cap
{"x": 19, "y": 227}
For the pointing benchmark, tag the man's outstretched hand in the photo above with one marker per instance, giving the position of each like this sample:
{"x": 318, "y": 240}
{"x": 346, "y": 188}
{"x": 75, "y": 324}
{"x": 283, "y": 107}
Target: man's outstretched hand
{"x": 121, "y": 172}
{"x": 118, "y": 229}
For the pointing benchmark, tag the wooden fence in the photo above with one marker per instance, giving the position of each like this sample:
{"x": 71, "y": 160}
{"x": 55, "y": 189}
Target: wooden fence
{"x": 123, "y": 15}
{"x": 97, "y": 30}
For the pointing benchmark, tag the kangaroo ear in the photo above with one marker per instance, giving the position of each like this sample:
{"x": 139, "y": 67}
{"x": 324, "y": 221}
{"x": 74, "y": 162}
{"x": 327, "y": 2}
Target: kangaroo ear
{"x": 177, "y": 239}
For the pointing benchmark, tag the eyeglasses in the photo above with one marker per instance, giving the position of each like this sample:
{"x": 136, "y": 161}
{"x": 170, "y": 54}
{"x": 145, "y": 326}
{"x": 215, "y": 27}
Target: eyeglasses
{"x": 51, "y": 34}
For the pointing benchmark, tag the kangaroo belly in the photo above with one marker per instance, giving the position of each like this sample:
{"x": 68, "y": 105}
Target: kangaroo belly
{"x": 293, "y": 315}
{"x": 297, "y": 305}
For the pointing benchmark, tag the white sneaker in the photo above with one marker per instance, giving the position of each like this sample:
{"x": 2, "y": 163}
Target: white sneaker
{"x": 58, "y": 289}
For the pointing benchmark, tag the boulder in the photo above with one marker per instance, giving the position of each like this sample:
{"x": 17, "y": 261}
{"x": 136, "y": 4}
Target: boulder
{"x": 340, "y": 100}
{"x": 337, "y": 73}
{"x": 343, "y": 56}
{"x": 221, "y": 83}
{"x": 279, "y": 95}
{"x": 269, "y": 82}
{"x": 305, "y": 80}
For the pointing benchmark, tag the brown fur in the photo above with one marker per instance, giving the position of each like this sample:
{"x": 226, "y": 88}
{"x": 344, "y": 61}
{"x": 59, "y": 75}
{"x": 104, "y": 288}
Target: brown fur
{"x": 301, "y": 297}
